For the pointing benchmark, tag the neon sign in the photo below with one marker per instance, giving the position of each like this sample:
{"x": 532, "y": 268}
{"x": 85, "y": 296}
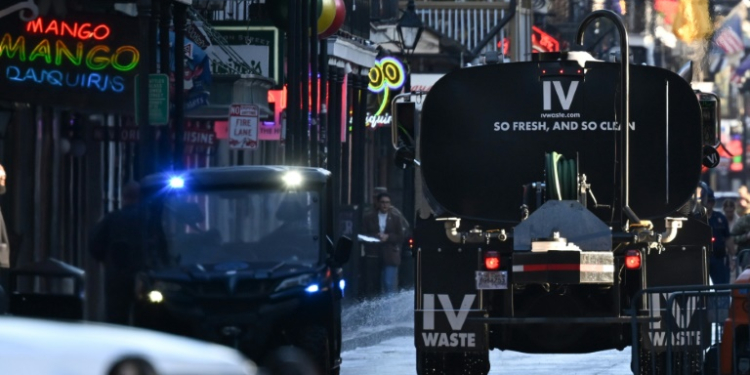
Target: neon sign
{"x": 543, "y": 41}
{"x": 540, "y": 42}
{"x": 73, "y": 61}
{"x": 83, "y": 31}
{"x": 387, "y": 75}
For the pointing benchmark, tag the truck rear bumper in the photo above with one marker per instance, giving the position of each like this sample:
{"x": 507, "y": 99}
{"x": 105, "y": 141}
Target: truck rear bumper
{"x": 563, "y": 267}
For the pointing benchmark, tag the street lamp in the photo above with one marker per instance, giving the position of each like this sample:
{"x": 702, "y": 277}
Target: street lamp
{"x": 409, "y": 28}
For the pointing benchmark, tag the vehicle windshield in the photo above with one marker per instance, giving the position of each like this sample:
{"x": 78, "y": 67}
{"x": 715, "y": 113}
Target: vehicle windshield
{"x": 220, "y": 226}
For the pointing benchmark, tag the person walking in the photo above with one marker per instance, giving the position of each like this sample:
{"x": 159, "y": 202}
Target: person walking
{"x": 386, "y": 227}
{"x": 743, "y": 202}
{"x": 718, "y": 260}
{"x": 116, "y": 243}
{"x": 729, "y": 208}
{"x": 375, "y": 206}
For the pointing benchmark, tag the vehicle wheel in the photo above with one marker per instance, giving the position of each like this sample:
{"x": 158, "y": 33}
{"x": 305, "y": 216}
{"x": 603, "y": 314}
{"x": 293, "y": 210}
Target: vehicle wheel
{"x": 289, "y": 360}
{"x": 466, "y": 363}
{"x": 132, "y": 367}
{"x": 315, "y": 341}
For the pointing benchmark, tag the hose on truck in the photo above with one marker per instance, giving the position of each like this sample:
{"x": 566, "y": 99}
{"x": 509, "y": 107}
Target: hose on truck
{"x": 562, "y": 177}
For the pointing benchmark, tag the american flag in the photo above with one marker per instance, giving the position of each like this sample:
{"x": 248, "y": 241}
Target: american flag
{"x": 729, "y": 36}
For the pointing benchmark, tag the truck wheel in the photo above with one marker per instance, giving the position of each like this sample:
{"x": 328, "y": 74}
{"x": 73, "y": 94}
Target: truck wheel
{"x": 315, "y": 341}
{"x": 464, "y": 363}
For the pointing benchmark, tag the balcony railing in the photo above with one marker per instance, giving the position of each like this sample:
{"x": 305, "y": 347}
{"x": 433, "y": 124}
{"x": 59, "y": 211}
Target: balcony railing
{"x": 237, "y": 10}
{"x": 466, "y": 22}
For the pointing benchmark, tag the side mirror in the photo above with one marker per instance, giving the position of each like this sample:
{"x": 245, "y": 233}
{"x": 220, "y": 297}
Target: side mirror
{"x": 710, "y": 117}
{"x": 343, "y": 250}
{"x": 404, "y": 158}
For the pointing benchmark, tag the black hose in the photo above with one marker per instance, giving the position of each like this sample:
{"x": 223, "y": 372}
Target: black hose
{"x": 562, "y": 177}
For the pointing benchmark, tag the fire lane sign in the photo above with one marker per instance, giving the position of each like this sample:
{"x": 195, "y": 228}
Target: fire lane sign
{"x": 243, "y": 126}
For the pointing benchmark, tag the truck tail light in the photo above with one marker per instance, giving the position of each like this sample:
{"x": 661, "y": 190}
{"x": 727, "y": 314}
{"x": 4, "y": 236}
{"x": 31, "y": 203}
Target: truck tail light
{"x": 633, "y": 259}
{"x": 492, "y": 260}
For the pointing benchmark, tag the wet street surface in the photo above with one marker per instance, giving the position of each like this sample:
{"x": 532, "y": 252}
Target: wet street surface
{"x": 378, "y": 340}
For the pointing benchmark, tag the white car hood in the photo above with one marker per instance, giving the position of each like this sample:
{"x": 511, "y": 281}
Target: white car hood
{"x": 46, "y": 347}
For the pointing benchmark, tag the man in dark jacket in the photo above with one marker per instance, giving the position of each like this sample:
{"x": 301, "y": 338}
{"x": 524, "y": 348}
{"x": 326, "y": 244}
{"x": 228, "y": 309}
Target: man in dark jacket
{"x": 116, "y": 243}
{"x": 383, "y": 256}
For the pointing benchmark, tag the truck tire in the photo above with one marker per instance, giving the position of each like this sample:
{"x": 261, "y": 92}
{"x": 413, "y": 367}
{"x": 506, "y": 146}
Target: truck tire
{"x": 315, "y": 341}
{"x": 463, "y": 363}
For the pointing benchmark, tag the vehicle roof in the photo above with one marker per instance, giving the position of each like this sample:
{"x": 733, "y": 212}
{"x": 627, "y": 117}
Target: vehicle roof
{"x": 238, "y": 175}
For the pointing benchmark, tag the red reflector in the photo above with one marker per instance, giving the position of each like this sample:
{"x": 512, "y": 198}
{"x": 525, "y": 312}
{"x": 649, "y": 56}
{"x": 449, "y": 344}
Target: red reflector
{"x": 492, "y": 260}
{"x": 633, "y": 259}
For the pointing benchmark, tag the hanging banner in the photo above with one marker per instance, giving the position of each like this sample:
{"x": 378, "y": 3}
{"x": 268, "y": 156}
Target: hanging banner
{"x": 196, "y": 76}
{"x": 243, "y": 126}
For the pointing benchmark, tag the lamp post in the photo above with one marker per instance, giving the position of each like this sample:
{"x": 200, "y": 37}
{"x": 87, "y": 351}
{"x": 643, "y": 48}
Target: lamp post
{"x": 409, "y": 29}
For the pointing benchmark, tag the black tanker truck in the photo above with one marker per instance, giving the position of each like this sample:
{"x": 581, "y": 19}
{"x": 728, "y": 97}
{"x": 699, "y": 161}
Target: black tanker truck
{"x": 540, "y": 214}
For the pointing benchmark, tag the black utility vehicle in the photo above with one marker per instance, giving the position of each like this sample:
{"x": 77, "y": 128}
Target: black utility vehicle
{"x": 244, "y": 256}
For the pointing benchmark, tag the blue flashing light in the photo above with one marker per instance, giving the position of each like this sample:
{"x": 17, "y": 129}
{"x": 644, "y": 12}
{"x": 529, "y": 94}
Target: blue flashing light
{"x": 176, "y": 182}
{"x": 312, "y": 288}
{"x": 342, "y": 284}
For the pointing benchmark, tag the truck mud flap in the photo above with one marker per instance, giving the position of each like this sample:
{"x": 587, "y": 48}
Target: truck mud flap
{"x": 447, "y": 302}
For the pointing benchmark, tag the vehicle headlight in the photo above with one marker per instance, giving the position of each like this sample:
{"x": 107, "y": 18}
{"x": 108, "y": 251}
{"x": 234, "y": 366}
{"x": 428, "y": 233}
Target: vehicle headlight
{"x": 302, "y": 280}
{"x": 177, "y": 182}
{"x": 155, "y": 296}
{"x": 157, "y": 291}
{"x": 292, "y": 179}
